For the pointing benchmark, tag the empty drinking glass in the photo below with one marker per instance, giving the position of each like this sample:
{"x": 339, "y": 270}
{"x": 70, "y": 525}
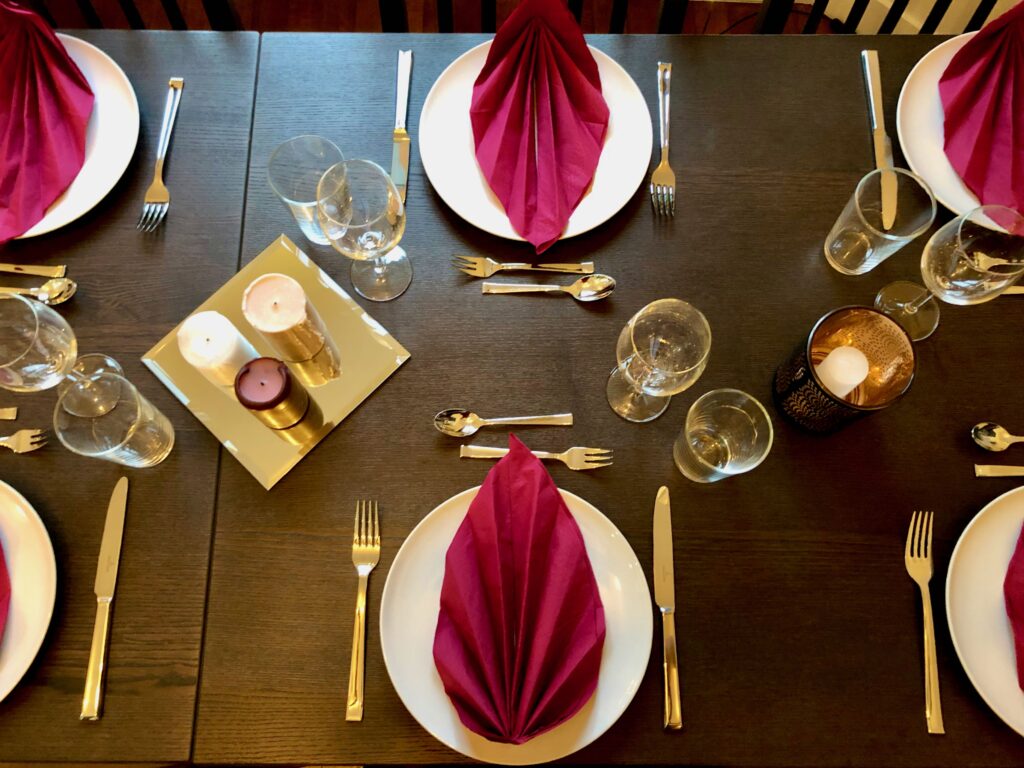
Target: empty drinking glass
{"x": 294, "y": 171}
{"x": 727, "y": 432}
{"x": 662, "y": 351}
{"x": 970, "y": 260}
{"x": 37, "y": 346}
{"x": 111, "y": 420}
{"x": 859, "y": 240}
{"x": 363, "y": 217}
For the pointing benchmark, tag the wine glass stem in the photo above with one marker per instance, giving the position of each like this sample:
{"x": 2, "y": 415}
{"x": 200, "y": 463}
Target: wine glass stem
{"x": 913, "y": 306}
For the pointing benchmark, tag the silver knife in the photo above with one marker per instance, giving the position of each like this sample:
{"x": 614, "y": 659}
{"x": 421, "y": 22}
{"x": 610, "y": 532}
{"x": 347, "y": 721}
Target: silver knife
{"x": 400, "y": 151}
{"x": 880, "y": 141}
{"x": 106, "y": 581}
{"x": 665, "y": 597}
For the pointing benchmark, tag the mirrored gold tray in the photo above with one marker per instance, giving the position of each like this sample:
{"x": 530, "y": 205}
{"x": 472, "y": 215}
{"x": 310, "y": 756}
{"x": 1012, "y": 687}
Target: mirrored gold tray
{"x": 369, "y": 355}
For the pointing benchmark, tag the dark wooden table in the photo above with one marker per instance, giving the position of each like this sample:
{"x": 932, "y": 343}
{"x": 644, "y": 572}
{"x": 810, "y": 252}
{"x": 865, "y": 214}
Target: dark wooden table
{"x": 132, "y": 289}
{"x": 800, "y": 635}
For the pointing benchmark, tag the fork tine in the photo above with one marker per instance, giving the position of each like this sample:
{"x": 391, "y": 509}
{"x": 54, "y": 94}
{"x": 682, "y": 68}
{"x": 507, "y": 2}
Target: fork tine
{"x": 376, "y": 526}
{"x": 672, "y": 201}
{"x": 355, "y": 528}
{"x": 598, "y": 452}
{"x": 142, "y": 216}
{"x": 918, "y": 533}
{"x": 469, "y": 271}
{"x": 928, "y": 536}
{"x": 597, "y": 465}
{"x": 663, "y": 194}
{"x": 466, "y": 260}
{"x": 39, "y": 436}
{"x": 910, "y": 536}
{"x": 158, "y": 219}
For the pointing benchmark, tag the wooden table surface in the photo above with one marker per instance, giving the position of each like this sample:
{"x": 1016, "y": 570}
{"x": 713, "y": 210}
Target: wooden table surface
{"x": 132, "y": 289}
{"x": 799, "y": 631}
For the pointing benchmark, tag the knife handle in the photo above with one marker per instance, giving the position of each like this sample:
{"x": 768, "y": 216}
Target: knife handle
{"x": 38, "y": 271}
{"x": 402, "y": 96}
{"x": 673, "y": 706}
{"x": 92, "y": 701}
{"x": 997, "y": 470}
{"x": 873, "y": 84}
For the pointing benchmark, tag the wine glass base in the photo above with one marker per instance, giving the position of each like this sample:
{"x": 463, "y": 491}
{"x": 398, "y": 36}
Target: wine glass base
{"x": 97, "y": 398}
{"x": 631, "y": 405}
{"x": 893, "y": 300}
{"x": 382, "y": 279}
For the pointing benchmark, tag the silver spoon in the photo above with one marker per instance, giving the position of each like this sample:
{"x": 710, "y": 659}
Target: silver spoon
{"x": 589, "y": 288}
{"x": 993, "y": 437}
{"x": 457, "y": 422}
{"x": 55, "y": 291}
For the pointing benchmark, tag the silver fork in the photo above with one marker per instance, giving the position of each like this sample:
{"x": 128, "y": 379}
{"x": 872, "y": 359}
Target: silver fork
{"x": 483, "y": 266}
{"x": 918, "y": 558}
{"x": 663, "y": 180}
{"x": 158, "y": 199}
{"x": 574, "y": 458}
{"x": 365, "y": 554}
{"x": 25, "y": 440}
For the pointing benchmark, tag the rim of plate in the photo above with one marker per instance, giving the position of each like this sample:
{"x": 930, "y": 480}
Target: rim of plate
{"x": 380, "y": 617}
{"x": 37, "y": 522}
{"x": 70, "y": 41}
{"x": 949, "y": 621}
{"x": 957, "y": 42}
{"x": 515, "y": 236}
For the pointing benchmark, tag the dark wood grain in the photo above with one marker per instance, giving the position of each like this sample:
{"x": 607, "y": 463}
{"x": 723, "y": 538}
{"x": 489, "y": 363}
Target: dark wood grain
{"x": 132, "y": 289}
{"x": 799, "y": 629}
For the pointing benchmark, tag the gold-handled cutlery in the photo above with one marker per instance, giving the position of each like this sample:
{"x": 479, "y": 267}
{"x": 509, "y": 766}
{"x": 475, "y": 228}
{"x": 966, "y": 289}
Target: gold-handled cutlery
{"x": 365, "y": 555}
{"x": 574, "y": 458}
{"x": 38, "y": 271}
{"x": 665, "y": 597}
{"x": 1015, "y": 290}
{"x": 400, "y": 137}
{"x": 918, "y": 559}
{"x": 880, "y": 141}
{"x": 663, "y": 180}
{"x": 54, "y": 291}
{"x": 589, "y": 288}
{"x": 993, "y": 437}
{"x": 457, "y": 422}
{"x": 9, "y": 414}
{"x": 106, "y": 583}
{"x": 25, "y": 440}
{"x": 484, "y": 266}
{"x": 997, "y": 470}
{"x": 158, "y": 198}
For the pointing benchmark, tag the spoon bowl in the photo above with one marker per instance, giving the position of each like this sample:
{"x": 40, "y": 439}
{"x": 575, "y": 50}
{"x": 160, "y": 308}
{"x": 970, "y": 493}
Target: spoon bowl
{"x": 591, "y": 288}
{"x": 993, "y": 437}
{"x": 456, "y": 422}
{"x": 55, "y": 291}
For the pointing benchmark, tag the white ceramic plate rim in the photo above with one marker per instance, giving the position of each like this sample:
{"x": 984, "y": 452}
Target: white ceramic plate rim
{"x": 105, "y": 159}
{"x": 950, "y": 574}
{"x": 643, "y": 642}
{"x": 930, "y": 162}
{"x": 26, "y": 654}
{"x": 584, "y": 218}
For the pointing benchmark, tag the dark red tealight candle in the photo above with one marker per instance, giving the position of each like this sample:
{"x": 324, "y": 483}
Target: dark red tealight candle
{"x": 266, "y": 387}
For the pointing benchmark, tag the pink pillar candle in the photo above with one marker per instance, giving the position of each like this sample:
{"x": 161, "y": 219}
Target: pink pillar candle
{"x": 277, "y": 307}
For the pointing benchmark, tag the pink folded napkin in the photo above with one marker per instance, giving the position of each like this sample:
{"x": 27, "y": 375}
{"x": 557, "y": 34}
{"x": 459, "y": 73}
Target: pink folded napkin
{"x": 45, "y": 104}
{"x": 982, "y": 93}
{"x": 5, "y": 593}
{"x": 539, "y": 119}
{"x": 1013, "y": 592}
{"x": 521, "y": 627}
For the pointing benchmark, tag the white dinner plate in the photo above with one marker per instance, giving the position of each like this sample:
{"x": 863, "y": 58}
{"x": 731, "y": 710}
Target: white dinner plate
{"x": 920, "y": 125}
{"x": 408, "y": 619}
{"x": 110, "y": 137}
{"x": 976, "y": 608}
{"x": 32, "y": 568}
{"x": 448, "y": 151}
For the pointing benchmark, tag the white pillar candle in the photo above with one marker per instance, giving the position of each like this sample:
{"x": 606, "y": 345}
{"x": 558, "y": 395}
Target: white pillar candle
{"x": 213, "y": 346}
{"x": 842, "y": 370}
{"x": 276, "y": 306}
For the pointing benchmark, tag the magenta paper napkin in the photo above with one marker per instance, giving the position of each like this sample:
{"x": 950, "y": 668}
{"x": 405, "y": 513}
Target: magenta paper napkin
{"x": 1013, "y": 592}
{"x": 521, "y": 627}
{"x": 45, "y": 104}
{"x": 982, "y": 94}
{"x": 5, "y": 593}
{"x": 539, "y": 119}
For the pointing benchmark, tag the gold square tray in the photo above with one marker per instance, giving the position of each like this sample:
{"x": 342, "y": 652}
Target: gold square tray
{"x": 369, "y": 355}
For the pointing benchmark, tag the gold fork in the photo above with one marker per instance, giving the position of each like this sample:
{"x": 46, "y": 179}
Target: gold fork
{"x": 484, "y": 266}
{"x": 663, "y": 180}
{"x": 365, "y": 554}
{"x": 25, "y": 440}
{"x": 918, "y": 559}
{"x": 158, "y": 198}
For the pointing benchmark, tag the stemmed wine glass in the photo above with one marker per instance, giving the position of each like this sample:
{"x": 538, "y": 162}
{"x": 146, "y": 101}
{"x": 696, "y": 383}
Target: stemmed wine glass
{"x": 363, "y": 217}
{"x": 970, "y": 260}
{"x": 662, "y": 351}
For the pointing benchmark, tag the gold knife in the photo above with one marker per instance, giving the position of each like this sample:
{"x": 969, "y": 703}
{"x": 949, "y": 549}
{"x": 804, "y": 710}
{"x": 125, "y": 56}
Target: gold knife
{"x": 9, "y": 414}
{"x": 665, "y": 597}
{"x": 106, "y": 581}
{"x": 880, "y": 141}
{"x": 400, "y": 150}
{"x": 38, "y": 271}
{"x": 1015, "y": 290}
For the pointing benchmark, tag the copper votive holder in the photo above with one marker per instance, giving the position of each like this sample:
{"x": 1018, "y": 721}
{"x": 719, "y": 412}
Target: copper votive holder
{"x": 799, "y": 393}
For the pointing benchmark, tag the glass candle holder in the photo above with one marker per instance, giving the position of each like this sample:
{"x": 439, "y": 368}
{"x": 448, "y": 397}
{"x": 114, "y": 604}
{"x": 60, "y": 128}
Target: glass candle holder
{"x": 817, "y": 387}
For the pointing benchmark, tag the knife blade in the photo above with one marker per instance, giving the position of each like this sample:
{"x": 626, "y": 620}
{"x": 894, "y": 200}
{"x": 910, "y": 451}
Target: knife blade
{"x": 400, "y": 137}
{"x": 881, "y": 143}
{"x": 665, "y": 597}
{"x": 105, "y": 585}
